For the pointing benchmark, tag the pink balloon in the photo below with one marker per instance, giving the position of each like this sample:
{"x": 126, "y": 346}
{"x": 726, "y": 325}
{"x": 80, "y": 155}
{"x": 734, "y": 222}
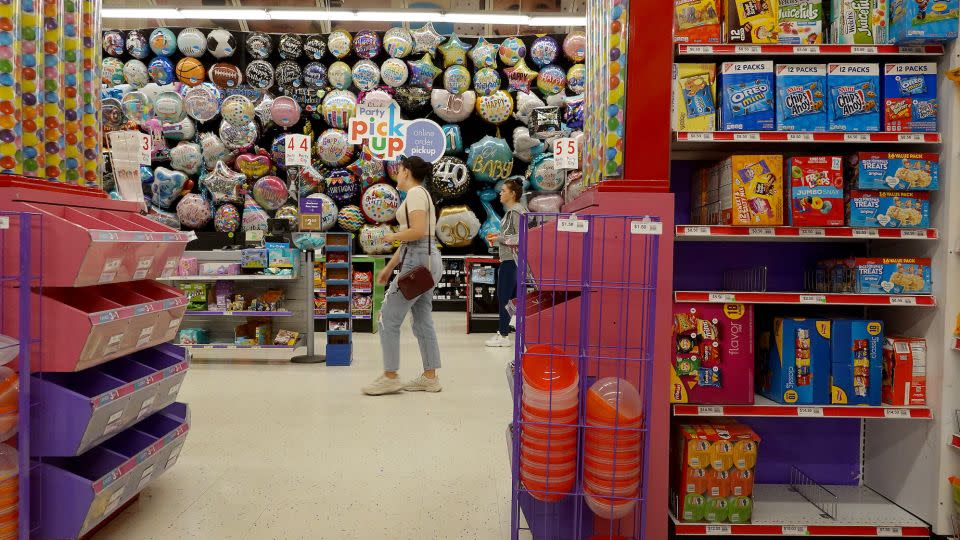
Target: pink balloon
{"x": 285, "y": 111}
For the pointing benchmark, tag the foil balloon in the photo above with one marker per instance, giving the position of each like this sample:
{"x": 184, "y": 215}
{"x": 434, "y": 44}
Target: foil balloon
{"x": 278, "y": 152}
{"x": 491, "y": 224}
{"x": 456, "y": 79}
{"x": 226, "y": 219}
{"x": 164, "y": 218}
{"x": 423, "y": 72}
{"x": 111, "y": 71}
{"x": 254, "y": 218}
{"x": 221, "y": 43}
{"x": 543, "y": 175}
{"x": 457, "y": 226}
{"x": 309, "y": 180}
{"x": 288, "y": 73}
{"x": 350, "y": 218}
{"x": 512, "y": 50}
{"x": 366, "y": 44}
{"x": 394, "y": 72}
{"x": 192, "y": 42}
{"x": 238, "y": 136}
{"x": 575, "y": 185}
{"x": 454, "y": 51}
{"x": 452, "y": 107}
{"x": 342, "y": 187}
{"x": 368, "y": 168}
{"x": 259, "y": 45}
{"x": 201, "y": 103}
{"x": 285, "y": 111}
{"x": 213, "y": 150}
{"x": 333, "y": 147}
{"x": 270, "y": 192}
{"x": 425, "y": 39}
{"x": 183, "y": 130}
{"x": 551, "y": 80}
{"x": 575, "y": 46}
{"x": 315, "y": 47}
{"x": 544, "y": 122}
{"x": 137, "y": 45}
{"x": 490, "y": 159}
{"x": 544, "y": 51}
{"x": 376, "y": 98}
{"x": 398, "y": 42}
{"x": 135, "y": 73}
{"x": 484, "y": 54}
{"x": 154, "y": 128}
{"x": 577, "y": 78}
{"x": 224, "y": 185}
{"x": 193, "y": 211}
{"x": 526, "y": 103}
{"x": 413, "y": 100}
{"x": 253, "y": 166}
{"x": 166, "y": 186}
{"x": 520, "y": 77}
{"x": 328, "y": 212}
{"x": 338, "y": 43}
{"x": 237, "y": 109}
{"x": 372, "y": 242}
{"x": 146, "y": 174}
{"x": 495, "y": 108}
{"x": 315, "y": 75}
{"x": 113, "y": 42}
{"x": 454, "y": 139}
{"x": 366, "y": 75}
{"x": 162, "y": 42}
{"x": 450, "y": 178}
{"x": 290, "y": 46}
{"x": 289, "y": 213}
{"x": 169, "y": 107}
{"x": 339, "y": 107}
{"x": 137, "y": 107}
{"x": 262, "y": 110}
{"x": 380, "y": 202}
{"x": 392, "y": 166}
{"x": 340, "y": 75}
{"x": 160, "y": 70}
{"x": 112, "y": 113}
{"x": 546, "y": 203}
{"x": 259, "y": 74}
{"x": 187, "y": 157}
{"x": 573, "y": 112}
{"x": 486, "y": 81}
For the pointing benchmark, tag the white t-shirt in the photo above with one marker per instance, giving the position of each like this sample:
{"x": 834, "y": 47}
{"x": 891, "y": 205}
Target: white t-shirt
{"x": 418, "y": 199}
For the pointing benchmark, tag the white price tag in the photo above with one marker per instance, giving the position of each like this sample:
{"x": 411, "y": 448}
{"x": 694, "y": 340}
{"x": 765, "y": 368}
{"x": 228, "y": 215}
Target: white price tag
{"x": 696, "y": 231}
{"x": 810, "y": 411}
{"x": 896, "y": 413}
{"x": 912, "y": 50}
{"x": 748, "y": 136}
{"x": 699, "y": 49}
{"x": 4, "y": 222}
{"x": 903, "y": 301}
{"x": 747, "y": 49}
{"x": 793, "y": 530}
{"x": 806, "y": 49}
{"x": 725, "y": 298}
{"x": 856, "y": 137}
{"x": 812, "y": 232}
{"x": 910, "y": 137}
{"x": 709, "y": 410}
{"x": 799, "y": 137}
{"x": 762, "y": 231}
{"x": 297, "y": 151}
{"x": 813, "y": 299}
{"x": 717, "y": 529}
{"x": 646, "y": 227}
{"x": 573, "y": 225}
{"x": 907, "y": 233}
{"x": 865, "y": 233}
{"x": 146, "y": 149}
{"x": 889, "y": 531}
{"x": 566, "y": 153}
{"x": 699, "y": 136}
{"x": 863, "y": 50}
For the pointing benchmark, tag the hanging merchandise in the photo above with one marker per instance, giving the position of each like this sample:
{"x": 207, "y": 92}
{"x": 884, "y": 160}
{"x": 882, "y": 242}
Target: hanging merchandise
{"x": 342, "y": 187}
{"x": 394, "y": 72}
{"x": 200, "y": 103}
{"x": 339, "y": 42}
{"x": 486, "y": 81}
{"x": 413, "y": 100}
{"x": 372, "y": 243}
{"x": 423, "y": 72}
{"x": 454, "y": 139}
{"x": 350, "y": 218}
{"x": 288, "y": 74}
{"x": 213, "y": 150}
{"x": 512, "y": 50}
{"x": 166, "y": 186}
{"x": 491, "y": 225}
{"x": 551, "y": 80}
{"x": 366, "y": 44}
{"x": 454, "y": 51}
{"x": 548, "y": 203}
{"x": 425, "y": 39}
{"x": 451, "y": 107}
{"x": 457, "y": 226}
{"x": 340, "y": 75}
{"x": 456, "y": 79}
{"x": 223, "y": 184}
{"x": 135, "y": 73}
{"x": 162, "y": 42}
{"x": 366, "y": 75}
{"x": 329, "y": 212}
{"x": 490, "y": 159}
{"x": 484, "y": 54}
{"x": 450, "y": 178}
{"x": 290, "y": 46}
{"x": 226, "y": 219}
{"x": 187, "y": 157}
{"x": 259, "y": 45}
{"x": 193, "y": 211}
{"x": 315, "y": 47}
{"x": 238, "y": 136}
{"x": 575, "y": 46}
{"x": 309, "y": 180}
{"x": 526, "y": 103}
{"x": 270, "y": 193}
{"x": 284, "y": 111}
{"x": 253, "y": 166}
{"x": 338, "y": 108}
{"x": 315, "y": 75}
{"x": 398, "y": 42}
{"x": 259, "y": 74}
{"x": 543, "y": 175}
{"x": 525, "y": 146}
{"x": 544, "y": 122}
{"x": 368, "y": 168}
{"x": 495, "y": 108}
{"x": 544, "y": 51}
{"x": 577, "y": 78}
{"x": 289, "y": 213}
{"x": 380, "y": 202}
{"x": 520, "y": 77}
{"x": 254, "y": 218}
{"x": 221, "y": 43}
{"x": 192, "y": 42}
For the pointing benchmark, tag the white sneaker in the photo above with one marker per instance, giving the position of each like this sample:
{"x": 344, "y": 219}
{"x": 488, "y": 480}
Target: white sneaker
{"x": 383, "y": 385}
{"x": 499, "y": 341}
{"x": 423, "y": 384}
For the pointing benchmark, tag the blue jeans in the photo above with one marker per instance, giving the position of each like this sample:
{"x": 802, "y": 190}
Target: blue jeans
{"x": 506, "y": 291}
{"x": 395, "y": 308}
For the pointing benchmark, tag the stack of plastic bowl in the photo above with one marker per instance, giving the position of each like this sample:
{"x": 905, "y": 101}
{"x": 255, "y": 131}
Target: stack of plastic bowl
{"x": 9, "y": 492}
{"x": 9, "y": 403}
{"x": 612, "y": 447}
{"x": 548, "y": 408}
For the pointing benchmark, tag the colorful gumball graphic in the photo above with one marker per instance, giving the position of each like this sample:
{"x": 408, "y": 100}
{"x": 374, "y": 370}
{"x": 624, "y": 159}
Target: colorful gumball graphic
{"x": 285, "y": 111}
{"x": 226, "y": 219}
{"x": 350, "y": 218}
{"x": 190, "y": 71}
{"x": 163, "y": 42}
{"x": 270, "y": 192}
{"x": 193, "y": 211}
{"x": 380, "y": 202}
{"x": 512, "y": 50}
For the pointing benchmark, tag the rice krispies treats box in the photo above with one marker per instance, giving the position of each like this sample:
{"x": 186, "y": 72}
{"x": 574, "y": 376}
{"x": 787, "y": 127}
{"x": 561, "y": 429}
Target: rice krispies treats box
{"x": 898, "y": 171}
{"x": 801, "y": 97}
{"x": 747, "y": 96}
{"x": 910, "y": 97}
{"x": 887, "y": 275}
{"x": 854, "y": 96}
{"x": 888, "y": 209}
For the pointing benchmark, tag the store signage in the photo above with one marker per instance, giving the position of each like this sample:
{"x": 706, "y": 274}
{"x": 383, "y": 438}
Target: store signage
{"x": 390, "y": 136}
{"x": 566, "y": 153}
{"x": 128, "y": 150}
{"x": 297, "y": 151}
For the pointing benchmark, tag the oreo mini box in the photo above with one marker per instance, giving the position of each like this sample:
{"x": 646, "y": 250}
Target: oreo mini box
{"x": 801, "y": 97}
{"x": 910, "y": 97}
{"x": 854, "y": 97}
{"x": 747, "y": 96}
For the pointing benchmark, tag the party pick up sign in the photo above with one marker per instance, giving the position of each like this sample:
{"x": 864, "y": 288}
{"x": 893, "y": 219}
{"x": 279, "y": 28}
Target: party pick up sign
{"x": 389, "y": 136}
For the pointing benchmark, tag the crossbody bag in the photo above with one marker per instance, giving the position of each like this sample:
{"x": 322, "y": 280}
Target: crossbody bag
{"x": 418, "y": 279}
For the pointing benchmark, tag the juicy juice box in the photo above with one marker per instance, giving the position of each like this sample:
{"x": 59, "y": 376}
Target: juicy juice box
{"x": 747, "y": 96}
{"x": 923, "y": 21}
{"x": 856, "y": 373}
{"x": 752, "y": 21}
{"x": 816, "y": 191}
{"x": 854, "y": 94}
{"x": 751, "y": 190}
{"x": 859, "y": 22}
{"x": 888, "y": 209}
{"x": 800, "y": 22}
{"x": 797, "y": 370}
{"x": 696, "y": 21}
{"x": 893, "y": 276}
{"x": 694, "y": 97}
{"x": 802, "y": 97}
{"x": 900, "y": 171}
{"x": 910, "y": 97}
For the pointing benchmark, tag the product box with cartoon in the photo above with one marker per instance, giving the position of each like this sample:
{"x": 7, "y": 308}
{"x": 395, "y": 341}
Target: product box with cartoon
{"x": 859, "y": 22}
{"x": 713, "y": 358}
{"x": 752, "y": 21}
{"x": 888, "y": 275}
{"x": 816, "y": 191}
{"x": 747, "y": 96}
{"x": 797, "y": 366}
{"x": 801, "y": 22}
{"x": 905, "y": 371}
{"x": 923, "y": 21}
{"x": 697, "y": 21}
{"x": 751, "y": 190}
{"x": 854, "y": 97}
{"x": 857, "y": 369}
{"x": 801, "y": 97}
{"x": 694, "y": 97}
{"x": 900, "y": 171}
{"x": 888, "y": 209}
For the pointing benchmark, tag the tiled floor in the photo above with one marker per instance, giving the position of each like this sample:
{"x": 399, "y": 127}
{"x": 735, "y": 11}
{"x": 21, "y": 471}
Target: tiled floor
{"x": 296, "y": 452}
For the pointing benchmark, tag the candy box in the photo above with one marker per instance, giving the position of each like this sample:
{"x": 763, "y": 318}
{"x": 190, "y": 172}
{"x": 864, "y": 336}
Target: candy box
{"x": 800, "y": 22}
{"x": 747, "y": 96}
{"x": 188, "y": 266}
{"x": 905, "y": 371}
{"x": 694, "y": 97}
{"x": 751, "y": 21}
{"x": 923, "y": 21}
{"x": 713, "y": 358}
{"x": 696, "y": 21}
{"x": 857, "y": 368}
{"x": 888, "y": 209}
{"x": 910, "y": 97}
{"x": 797, "y": 368}
{"x": 253, "y": 258}
{"x": 901, "y": 171}
{"x": 816, "y": 191}
{"x": 750, "y": 190}
{"x": 280, "y": 255}
{"x": 219, "y": 269}
{"x": 196, "y": 294}
{"x": 854, "y": 95}
{"x": 884, "y": 275}
{"x": 859, "y": 22}
{"x": 802, "y": 97}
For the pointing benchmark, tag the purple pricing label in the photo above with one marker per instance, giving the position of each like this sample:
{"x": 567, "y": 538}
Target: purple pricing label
{"x": 311, "y": 206}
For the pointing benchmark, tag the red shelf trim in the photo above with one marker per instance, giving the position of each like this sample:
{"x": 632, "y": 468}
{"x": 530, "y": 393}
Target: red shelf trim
{"x": 726, "y": 297}
{"x": 692, "y": 231}
{"x": 828, "y": 411}
{"x": 803, "y": 136}
{"x": 808, "y": 49}
{"x": 811, "y": 530}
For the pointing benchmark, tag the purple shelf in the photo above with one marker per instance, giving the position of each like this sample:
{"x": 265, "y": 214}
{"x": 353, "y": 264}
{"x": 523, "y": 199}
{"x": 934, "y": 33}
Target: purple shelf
{"x": 242, "y": 313}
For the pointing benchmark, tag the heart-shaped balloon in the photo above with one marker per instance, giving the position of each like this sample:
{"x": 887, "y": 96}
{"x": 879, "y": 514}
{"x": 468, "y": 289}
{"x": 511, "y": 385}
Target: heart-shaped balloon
{"x": 213, "y": 150}
{"x": 253, "y": 166}
{"x": 167, "y": 186}
{"x": 224, "y": 185}
{"x": 187, "y": 157}
{"x": 453, "y": 107}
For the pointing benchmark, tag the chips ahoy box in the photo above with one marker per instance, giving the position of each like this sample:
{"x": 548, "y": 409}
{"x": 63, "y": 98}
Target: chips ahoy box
{"x": 923, "y": 21}
{"x": 901, "y": 171}
{"x": 857, "y": 368}
{"x": 888, "y": 209}
{"x": 802, "y": 97}
{"x": 854, "y": 93}
{"x": 910, "y": 97}
{"x": 816, "y": 191}
{"x": 797, "y": 370}
{"x": 747, "y": 90}
{"x": 696, "y": 21}
{"x": 694, "y": 97}
{"x": 884, "y": 275}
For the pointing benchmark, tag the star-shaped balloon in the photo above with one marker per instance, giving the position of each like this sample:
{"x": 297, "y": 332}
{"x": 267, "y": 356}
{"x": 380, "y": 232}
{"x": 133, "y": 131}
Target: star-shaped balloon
{"x": 484, "y": 54}
{"x": 520, "y": 77}
{"x": 224, "y": 185}
{"x": 454, "y": 51}
{"x": 423, "y": 72}
{"x": 426, "y": 39}
{"x": 262, "y": 111}
{"x": 368, "y": 168}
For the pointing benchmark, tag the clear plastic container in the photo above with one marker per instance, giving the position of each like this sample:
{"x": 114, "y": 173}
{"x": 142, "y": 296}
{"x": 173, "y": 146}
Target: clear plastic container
{"x": 558, "y": 486}
{"x": 545, "y": 367}
{"x": 568, "y": 420}
{"x": 9, "y": 349}
{"x": 561, "y": 397}
{"x": 607, "y": 508}
{"x": 550, "y": 444}
{"x": 614, "y": 399}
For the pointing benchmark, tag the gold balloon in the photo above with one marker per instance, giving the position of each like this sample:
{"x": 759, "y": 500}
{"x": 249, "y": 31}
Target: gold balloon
{"x": 457, "y": 226}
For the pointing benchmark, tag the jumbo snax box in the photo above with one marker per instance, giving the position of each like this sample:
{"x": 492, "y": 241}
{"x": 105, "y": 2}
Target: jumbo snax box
{"x": 887, "y": 275}
{"x": 747, "y": 96}
{"x": 696, "y": 21}
{"x": 694, "y": 97}
{"x": 752, "y": 21}
{"x": 923, "y": 21}
{"x": 797, "y": 367}
{"x": 800, "y": 22}
{"x": 888, "y": 209}
{"x": 856, "y": 373}
{"x": 910, "y": 97}
{"x": 801, "y": 97}
{"x": 899, "y": 171}
{"x": 854, "y": 97}
{"x": 816, "y": 191}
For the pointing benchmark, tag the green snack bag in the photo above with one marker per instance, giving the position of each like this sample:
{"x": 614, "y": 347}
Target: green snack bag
{"x": 693, "y": 507}
{"x": 740, "y": 509}
{"x": 718, "y": 510}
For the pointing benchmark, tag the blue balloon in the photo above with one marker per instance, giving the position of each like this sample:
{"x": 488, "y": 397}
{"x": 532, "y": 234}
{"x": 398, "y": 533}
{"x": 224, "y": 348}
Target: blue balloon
{"x": 146, "y": 174}
{"x": 161, "y": 70}
{"x": 167, "y": 186}
{"x": 543, "y": 174}
{"x": 490, "y": 159}
{"x": 163, "y": 42}
{"x": 491, "y": 225}
{"x": 454, "y": 139}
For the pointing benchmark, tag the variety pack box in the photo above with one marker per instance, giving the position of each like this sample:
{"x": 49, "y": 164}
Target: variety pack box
{"x": 857, "y": 367}
{"x": 750, "y": 190}
{"x": 752, "y": 21}
{"x": 713, "y": 354}
{"x": 905, "y": 371}
{"x": 801, "y": 97}
{"x": 860, "y": 22}
{"x": 694, "y": 97}
{"x": 801, "y": 22}
{"x": 888, "y": 209}
{"x": 747, "y": 96}
{"x": 854, "y": 95}
{"x": 696, "y": 21}
{"x": 886, "y": 275}
{"x": 797, "y": 368}
{"x": 923, "y": 21}
{"x": 910, "y": 97}
{"x": 900, "y": 171}
{"x": 816, "y": 191}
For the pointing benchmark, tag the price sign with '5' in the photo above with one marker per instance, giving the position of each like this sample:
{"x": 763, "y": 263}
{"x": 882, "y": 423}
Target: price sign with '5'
{"x": 566, "y": 153}
{"x": 297, "y": 152}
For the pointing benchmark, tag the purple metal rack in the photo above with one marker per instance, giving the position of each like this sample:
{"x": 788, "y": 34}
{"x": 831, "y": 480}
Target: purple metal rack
{"x": 589, "y": 290}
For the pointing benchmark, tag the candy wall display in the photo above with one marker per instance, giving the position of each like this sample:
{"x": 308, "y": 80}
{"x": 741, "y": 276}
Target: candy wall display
{"x": 70, "y": 84}
{"x": 10, "y": 73}
{"x": 54, "y": 114}
{"x": 31, "y": 96}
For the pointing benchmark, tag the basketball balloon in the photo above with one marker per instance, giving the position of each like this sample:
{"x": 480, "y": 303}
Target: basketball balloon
{"x": 190, "y": 71}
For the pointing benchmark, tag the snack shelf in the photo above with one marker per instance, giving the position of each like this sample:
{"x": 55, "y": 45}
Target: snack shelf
{"x": 780, "y": 511}
{"x": 764, "y": 407}
{"x": 251, "y": 277}
{"x": 805, "y": 137}
{"x": 835, "y": 299}
{"x": 701, "y": 233}
{"x": 241, "y": 313}
{"x": 770, "y": 50}
{"x": 233, "y": 346}
{"x": 362, "y": 290}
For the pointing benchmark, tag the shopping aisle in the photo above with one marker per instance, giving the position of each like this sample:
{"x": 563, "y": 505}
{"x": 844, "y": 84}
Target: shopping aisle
{"x": 285, "y": 451}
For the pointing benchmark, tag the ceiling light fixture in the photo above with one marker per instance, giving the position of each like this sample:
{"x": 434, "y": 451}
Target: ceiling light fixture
{"x": 140, "y": 13}
{"x": 239, "y": 14}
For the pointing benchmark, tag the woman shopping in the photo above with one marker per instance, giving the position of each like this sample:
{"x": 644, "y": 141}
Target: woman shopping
{"x": 418, "y": 221}
{"x": 511, "y": 195}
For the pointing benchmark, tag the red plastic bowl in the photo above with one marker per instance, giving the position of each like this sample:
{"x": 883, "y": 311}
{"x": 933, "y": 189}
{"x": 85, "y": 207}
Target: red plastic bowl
{"x": 546, "y": 367}
{"x": 557, "y": 420}
{"x": 536, "y": 485}
{"x": 552, "y": 444}
{"x": 544, "y": 432}
{"x": 609, "y": 509}
{"x": 554, "y": 456}
{"x": 614, "y": 399}
{"x": 544, "y": 411}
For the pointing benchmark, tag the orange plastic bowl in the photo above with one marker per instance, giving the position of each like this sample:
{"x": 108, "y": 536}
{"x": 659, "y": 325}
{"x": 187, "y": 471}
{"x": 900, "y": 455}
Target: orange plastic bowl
{"x": 610, "y": 439}
{"x": 556, "y": 420}
{"x": 546, "y": 367}
{"x": 614, "y": 399}
{"x": 537, "y": 485}
{"x": 544, "y": 412}
{"x": 550, "y": 432}
{"x": 552, "y": 444}
{"x": 548, "y": 470}
{"x": 620, "y": 452}
{"x": 553, "y": 456}
{"x": 9, "y": 389}
{"x": 611, "y": 488}
{"x": 609, "y": 509}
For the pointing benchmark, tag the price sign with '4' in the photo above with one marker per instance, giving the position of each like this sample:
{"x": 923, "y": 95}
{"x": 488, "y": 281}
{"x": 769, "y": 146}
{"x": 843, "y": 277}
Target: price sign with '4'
{"x": 566, "y": 153}
{"x": 297, "y": 152}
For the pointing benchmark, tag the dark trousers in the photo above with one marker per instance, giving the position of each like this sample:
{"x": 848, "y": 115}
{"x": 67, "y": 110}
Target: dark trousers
{"x": 506, "y": 291}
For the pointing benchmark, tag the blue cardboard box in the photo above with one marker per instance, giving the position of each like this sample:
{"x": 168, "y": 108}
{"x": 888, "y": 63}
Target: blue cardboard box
{"x": 900, "y": 171}
{"x": 802, "y": 97}
{"x": 798, "y": 366}
{"x": 747, "y": 96}
{"x": 856, "y": 349}
{"x": 888, "y": 209}
{"x": 255, "y": 258}
{"x": 910, "y": 97}
{"x": 854, "y": 97}
{"x": 885, "y": 275}
{"x": 923, "y": 21}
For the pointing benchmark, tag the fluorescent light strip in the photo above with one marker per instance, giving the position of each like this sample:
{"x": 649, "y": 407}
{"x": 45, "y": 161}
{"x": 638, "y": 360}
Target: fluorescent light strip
{"x": 557, "y": 21}
{"x": 239, "y": 14}
{"x": 140, "y": 13}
